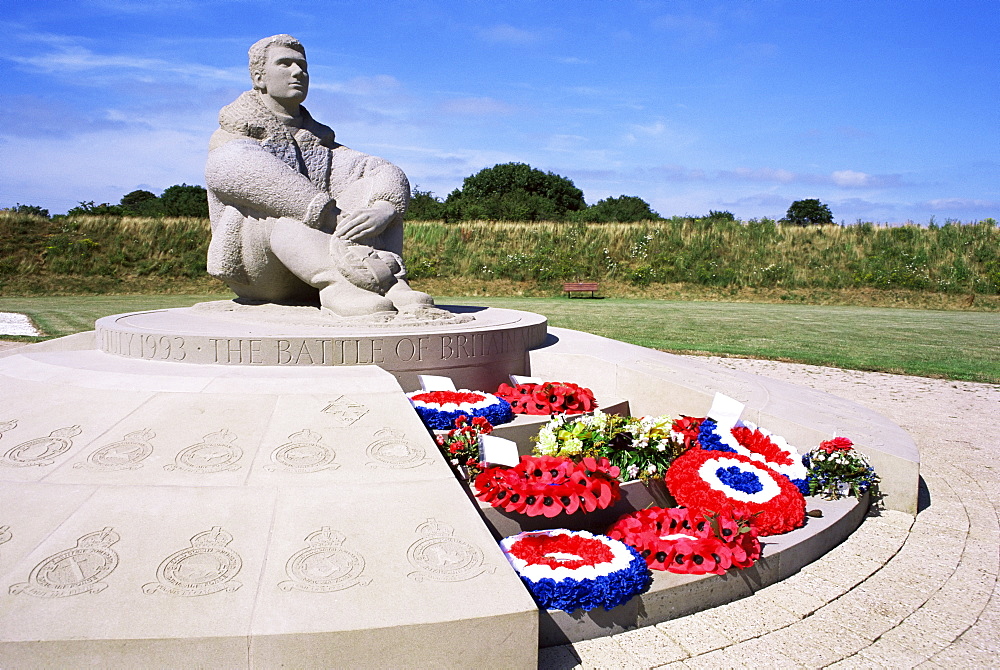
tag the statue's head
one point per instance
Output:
(278, 69)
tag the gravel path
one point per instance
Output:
(899, 592)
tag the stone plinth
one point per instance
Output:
(478, 348)
(250, 512)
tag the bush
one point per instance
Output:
(424, 206)
(185, 200)
(623, 209)
(30, 210)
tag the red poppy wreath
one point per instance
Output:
(550, 485)
(681, 540)
(548, 398)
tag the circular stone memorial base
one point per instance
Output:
(476, 347)
(181, 485)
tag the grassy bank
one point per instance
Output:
(727, 260)
(949, 344)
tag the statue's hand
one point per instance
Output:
(365, 222)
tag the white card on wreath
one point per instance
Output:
(725, 411)
(436, 383)
(520, 379)
(498, 451)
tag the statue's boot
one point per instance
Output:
(344, 299)
(405, 298)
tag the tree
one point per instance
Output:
(141, 203)
(185, 200)
(424, 206)
(809, 212)
(514, 192)
(624, 209)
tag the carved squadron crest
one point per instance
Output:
(74, 571)
(324, 565)
(41, 450)
(126, 454)
(393, 451)
(207, 566)
(215, 454)
(441, 557)
(303, 453)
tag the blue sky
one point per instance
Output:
(887, 111)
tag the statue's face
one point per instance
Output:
(285, 77)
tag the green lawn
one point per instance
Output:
(956, 345)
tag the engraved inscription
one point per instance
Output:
(441, 557)
(126, 454)
(237, 351)
(207, 566)
(5, 534)
(324, 565)
(305, 453)
(7, 425)
(74, 571)
(393, 451)
(215, 454)
(154, 347)
(345, 412)
(41, 451)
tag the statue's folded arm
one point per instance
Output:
(243, 175)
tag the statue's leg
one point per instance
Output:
(306, 253)
(400, 293)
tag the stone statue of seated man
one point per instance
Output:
(295, 215)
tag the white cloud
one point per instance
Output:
(56, 173)
(73, 60)
(691, 29)
(566, 142)
(760, 174)
(851, 179)
(363, 86)
(508, 34)
(482, 106)
(946, 204)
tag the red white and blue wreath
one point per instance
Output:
(570, 570)
(708, 481)
(757, 444)
(439, 409)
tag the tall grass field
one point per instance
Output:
(81, 255)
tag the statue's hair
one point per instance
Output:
(258, 52)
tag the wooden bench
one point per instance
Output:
(580, 287)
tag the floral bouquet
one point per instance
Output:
(641, 447)
(836, 470)
(548, 398)
(460, 445)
